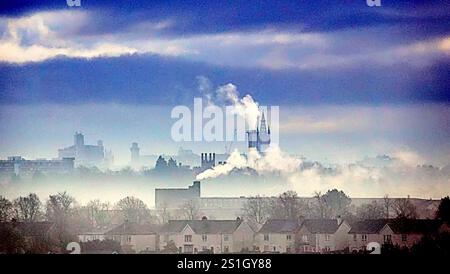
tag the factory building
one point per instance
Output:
(174, 198)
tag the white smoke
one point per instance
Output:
(245, 107)
(273, 161)
(399, 174)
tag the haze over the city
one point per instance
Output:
(352, 83)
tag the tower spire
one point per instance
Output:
(263, 127)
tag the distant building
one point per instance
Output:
(231, 207)
(174, 198)
(16, 165)
(187, 157)
(170, 168)
(210, 160)
(184, 156)
(259, 139)
(138, 160)
(85, 155)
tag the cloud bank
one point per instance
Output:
(42, 35)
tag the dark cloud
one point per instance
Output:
(150, 79)
(195, 17)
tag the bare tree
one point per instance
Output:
(286, 206)
(370, 211)
(337, 203)
(27, 209)
(387, 204)
(256, 209)
(321, 206)
(191, 210)
(403, 208)
(164, 215)
(6, 209)
(134, 209)
(98, 212)
(59, 210)
(59, 206)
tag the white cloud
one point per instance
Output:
(44, 35)
(305, 124)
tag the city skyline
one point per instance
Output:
(352, 82)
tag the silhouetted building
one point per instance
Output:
(174, 198)
(16, 165)
(138, 160)
(208, 162)
(85, 155)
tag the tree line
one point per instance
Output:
(332, 204)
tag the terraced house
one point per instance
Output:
(277, 236)
(398, 232)
(212, 236)
(135, 238)
(322, 235)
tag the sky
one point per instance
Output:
(351, 81)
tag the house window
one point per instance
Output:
(404, 237)
(226, 249)
(188, 238)
(204, 238)
(354, 237)
(266, 237)
(225, 238)
(129, 239)
(327, 237)
(288, 237)
(305, 238)
(274, 249)
(387, 239)
(364, 237)
(288, 250)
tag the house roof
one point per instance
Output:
(326, 226)
(279, 226)
(419, 226)
(367, 226)
(98, 230)
(203, 226)
(130, 228)
(398, 226)
(29, 228)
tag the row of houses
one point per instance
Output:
(232, 236)
(274, 236)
